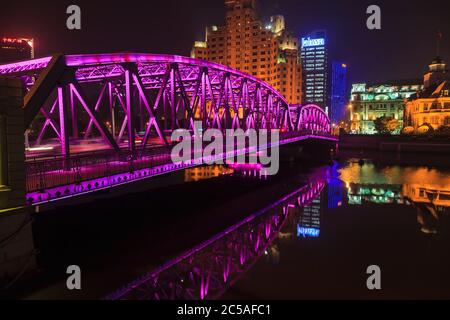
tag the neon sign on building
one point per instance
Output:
(18, 42)
(308, 42)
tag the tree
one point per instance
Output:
(443, 131)
(386, 125)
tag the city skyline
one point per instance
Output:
(142, 31)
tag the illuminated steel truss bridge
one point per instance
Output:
(207, 271)
(97, 121)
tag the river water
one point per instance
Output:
(231, 233)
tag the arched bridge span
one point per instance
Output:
(94, 121)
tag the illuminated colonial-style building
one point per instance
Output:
(268, 52)
(431, 106)
(371, 102)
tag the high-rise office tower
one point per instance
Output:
(314, 55)
(340, 92)
(16, 49)
(266, 51)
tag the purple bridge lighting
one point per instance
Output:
(98, 121)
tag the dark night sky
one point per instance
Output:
(400, 50)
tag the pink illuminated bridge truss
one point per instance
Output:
(98, 120)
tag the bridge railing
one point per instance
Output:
(48, 173)
(42, 174)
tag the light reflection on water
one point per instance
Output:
(211, 172)
(367, 213)
(425, 189)
(206, 271)
(422, 193)
(397, 217)
(216, 270)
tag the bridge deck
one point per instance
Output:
(53, 179)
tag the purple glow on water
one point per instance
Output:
(242, 257)
(258, 242)
(246, 167)
(268, 230)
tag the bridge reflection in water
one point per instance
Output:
(208, 270)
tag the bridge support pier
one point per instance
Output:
(311, 150)
(17, 254)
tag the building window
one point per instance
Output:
(3, 153)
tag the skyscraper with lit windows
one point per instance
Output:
(267, 51)
(16, 49)
(340, 92)
(314, 54)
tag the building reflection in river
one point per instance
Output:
(211, 172)
(394, 184)
(206, 172)
(427, 190)
(359, 194)
(309, 220)
(428, 193)
(336, 188)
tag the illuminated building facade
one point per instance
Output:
(339, 92)
(431, 106)
(16, 49)
(314, 54)
(268, 52)
(371, 102)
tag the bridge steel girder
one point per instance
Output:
(76, 89)
(312, 118)
(153, 94)
(43, 87)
